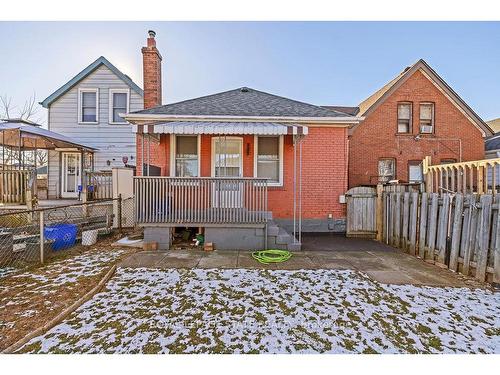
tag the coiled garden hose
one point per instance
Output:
(271, 256)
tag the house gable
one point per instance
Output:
(85, 73)
(369, 105)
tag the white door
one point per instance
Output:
(71, 174)
(227, 162)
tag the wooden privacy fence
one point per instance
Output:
(479, 176)
(13, 186)
(457, 231)
(98, 185)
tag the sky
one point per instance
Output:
(323, 63)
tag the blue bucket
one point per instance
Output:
(63, 235)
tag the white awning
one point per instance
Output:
(209, 127)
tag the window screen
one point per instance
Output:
(426, 118)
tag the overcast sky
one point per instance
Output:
(317, 62)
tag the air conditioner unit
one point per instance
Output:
(425, 129)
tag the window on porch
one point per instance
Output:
(269, 156)
(186, 156)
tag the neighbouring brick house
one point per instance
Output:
(242, 136)
(415, 115)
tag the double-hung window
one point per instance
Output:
(88, 106)
(404, 117)
(269, 159)
(427, 118)
(186, 157)
(118, 103)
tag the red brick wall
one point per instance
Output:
(158, 153)
(324, 171)
(376, 136)
(151, 69)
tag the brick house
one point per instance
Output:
(264, 166)
(416, 114)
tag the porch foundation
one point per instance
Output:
(315, 225)
(234, 238)
(162, 235)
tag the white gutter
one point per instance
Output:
(307, 120)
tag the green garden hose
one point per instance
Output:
(271, 256)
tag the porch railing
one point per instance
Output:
(200, 200)
(13, 185)
(478, 176)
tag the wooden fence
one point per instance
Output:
(460, 232)
(478, 176)
(97, 185)
(13, 186)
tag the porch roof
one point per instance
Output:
(228, 127)
(34, 137)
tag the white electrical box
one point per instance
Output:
(342, 198)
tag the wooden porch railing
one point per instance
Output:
(13, 185)
(199, 201)
(478, 176)
(97, 185)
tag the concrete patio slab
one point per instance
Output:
(389, 266)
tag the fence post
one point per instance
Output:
(42, 237)
(380, 211)
(119, 213)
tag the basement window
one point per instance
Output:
(404, 117)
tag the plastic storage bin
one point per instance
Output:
(63, 235)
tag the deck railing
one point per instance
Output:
(199, 201)
(478, 176)
(13, 185)
(98, 185)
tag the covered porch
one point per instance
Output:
(21, 143)
(217, 175)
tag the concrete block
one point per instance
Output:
(234, 238)
(161, 235)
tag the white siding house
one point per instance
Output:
(86, 108)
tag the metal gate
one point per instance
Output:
(361, 212)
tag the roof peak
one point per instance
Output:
(101, 60)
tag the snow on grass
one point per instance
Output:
(29, 295)
(257, 311)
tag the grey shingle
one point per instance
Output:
(243, 101)
(493, 142)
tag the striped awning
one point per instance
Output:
(209, 127)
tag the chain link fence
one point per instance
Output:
(32, 237)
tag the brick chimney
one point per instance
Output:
(151, 65)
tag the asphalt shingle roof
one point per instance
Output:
(351, 111)
(243, 101)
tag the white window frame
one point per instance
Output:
(111, 105)
(173, 144)
(80, 103)
(410, 120)
(212, 152)
(256, 149)
(432, 117)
